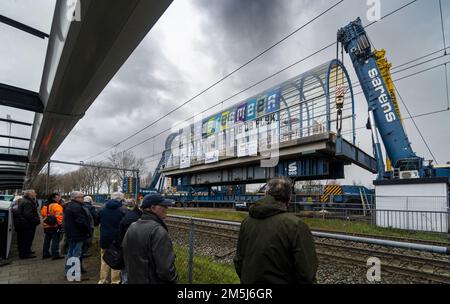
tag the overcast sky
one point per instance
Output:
(197, 42)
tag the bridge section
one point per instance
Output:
(293, 129)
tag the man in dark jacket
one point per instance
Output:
(147, 248)
(109, 217)
(76, 226)
(133, 214)
(27, 220)
(274, 246)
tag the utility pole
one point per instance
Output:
(47, 180)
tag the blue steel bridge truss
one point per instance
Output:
(299, 124)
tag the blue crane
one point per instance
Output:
(384, 114)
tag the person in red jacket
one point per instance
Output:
(52, 208)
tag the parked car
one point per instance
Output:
(6, 197)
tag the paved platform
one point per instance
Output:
(39, 271)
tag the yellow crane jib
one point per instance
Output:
(385, 68)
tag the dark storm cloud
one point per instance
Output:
(137, 87)
(230, 32)
(241, 27)
(141, 92)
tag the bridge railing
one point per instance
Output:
(305, 107)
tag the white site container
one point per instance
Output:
(413, 204)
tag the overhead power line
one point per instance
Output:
(357, 93)
(409, 113)
(271, 76)
(415, 124)
(403, 119)
(240, 92)
(404, 77)
(223, 78)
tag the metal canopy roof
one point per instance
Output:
(19, 98)
(83, 53)
(14, 145)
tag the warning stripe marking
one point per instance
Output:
(330, 190)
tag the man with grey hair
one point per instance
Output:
(77, 227)
(27, 218)
(274, 246)
(110, 217)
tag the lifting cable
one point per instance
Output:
(414, 122)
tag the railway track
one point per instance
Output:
(408, 263)
(225, 229)
(422, 269)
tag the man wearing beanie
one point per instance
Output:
(147, 247)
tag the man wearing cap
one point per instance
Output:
(147, 247)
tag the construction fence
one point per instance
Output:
(205, 248)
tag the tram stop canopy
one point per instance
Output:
(76, 54)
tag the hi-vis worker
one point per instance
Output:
(52, 214)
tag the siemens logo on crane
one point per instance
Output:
(383, 98)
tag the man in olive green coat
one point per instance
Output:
(274, 246)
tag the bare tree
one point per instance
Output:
(91, 179)
(147, 180)
(125, 160)
(108, 177)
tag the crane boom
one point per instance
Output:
(381, 103)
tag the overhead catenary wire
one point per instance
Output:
(271, 76)
(405, 77)
(399, 79)
(395, 71)
(360, 92)
(415, 124)
(412, 118)
(404, 118)
(391, 13)
(420, 58)
(442, 26)
(225, 77)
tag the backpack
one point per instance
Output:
(50, 219)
